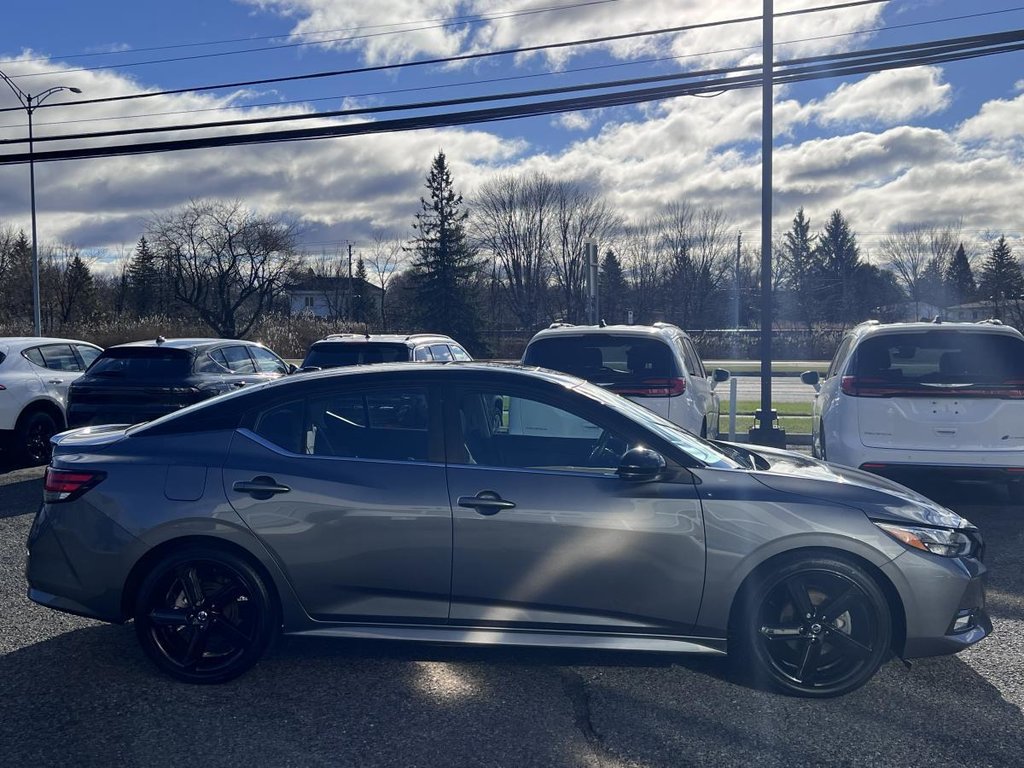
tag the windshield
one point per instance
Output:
(141, 363)
(703, 451)
(336, 355)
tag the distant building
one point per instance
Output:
(971, 311)
(332, 298)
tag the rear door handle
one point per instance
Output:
(261, 487)
(55, 381)
(485, 503)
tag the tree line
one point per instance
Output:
(510, 257)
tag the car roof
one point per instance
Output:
(387, 338)
(874, 328)
(197, 343)
(658, 330)
(16, 343)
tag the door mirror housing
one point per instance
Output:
(292, 368)
(812, 379)
(719, 375)
(641, 465)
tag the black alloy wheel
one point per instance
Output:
(816, 627)
(204, 615)
(34, 433)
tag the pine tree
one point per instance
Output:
(960, 286)
(931, 285)
(445, 266)
(362, 300)
(145, 280)
(80, 292)
(799, 270)
(1002, 280)
(612, 289)
(839, 256)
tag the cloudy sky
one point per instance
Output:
(927, 145)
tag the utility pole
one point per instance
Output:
(593, 306)
(736, 277)
(351, 288)
(765, 430)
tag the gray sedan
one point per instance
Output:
(393, 502)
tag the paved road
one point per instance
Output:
(76, 692)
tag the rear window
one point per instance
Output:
(604, 358)
(935, 360)
(142, 363)
(328, 355)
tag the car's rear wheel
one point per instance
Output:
(815, 627)
(34, 431)
(204, 615)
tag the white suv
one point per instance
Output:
(910, 396)
(35, 374)
(653, 365)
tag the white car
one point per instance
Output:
(906, 397)
(653, 365)
(35, 374)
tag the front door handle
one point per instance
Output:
(261, 487)
(486, 503)
(55, 381)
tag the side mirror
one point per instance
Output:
(310, 368)
(811, 379)
(292, 368)
(640, 465)
(719, 375)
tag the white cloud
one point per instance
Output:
(576, 121)
(882, 98)
(1000, 120)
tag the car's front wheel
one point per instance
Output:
(817, 626)
(204, 615)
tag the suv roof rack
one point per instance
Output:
(412, 336)
(560, 324)
(347, 336)
(990, 321)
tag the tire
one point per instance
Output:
(704, 429)
(34, 431)
(789, 637)
(821, 442)
(204, 615)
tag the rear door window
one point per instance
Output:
(60, 357)
(441, 353)
(267, 361)
(238, 359)
(937, 362)
(459, 353)
(840, 355)
(605, 359)
(87, 354)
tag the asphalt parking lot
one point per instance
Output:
(77, 692)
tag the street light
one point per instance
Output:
(30, 103)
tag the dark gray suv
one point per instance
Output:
(387, 502)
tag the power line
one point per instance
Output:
(285, 46)
(822, 69)
(457, 58)
(486, 81)
(866, 57)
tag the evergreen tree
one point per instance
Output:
(1002, 280)
(145, 281)
(612, 289)
(799, 270)
(931, 285)
(79, 294)
(839, 256)
(362, 299)
(960, 287)
(445, 266)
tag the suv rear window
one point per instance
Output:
(940, 362)
(142, 363)
(337, 354)
(605, 358)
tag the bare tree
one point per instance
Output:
(512, 219)
(70, 294)
(327, 274)
(698, 251)
(644, 267)
(384, 257)
(226, 262)
(917, 255)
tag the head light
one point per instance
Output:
(939, 541)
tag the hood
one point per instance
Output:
(878, 497)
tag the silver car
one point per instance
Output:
(389, 502)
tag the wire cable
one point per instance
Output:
(452, 59)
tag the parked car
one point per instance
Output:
(35, 374)
(342, 349)
(656, 366)
(382, 502)
(905, 397)
(143, 380)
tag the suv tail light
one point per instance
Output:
(68, 484)
(651, 388)
(862, 386)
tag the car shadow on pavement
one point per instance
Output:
(89, 697)
(21, 492)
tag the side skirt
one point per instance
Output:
(521, 637)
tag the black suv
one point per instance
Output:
(343, 349)
(143, 380)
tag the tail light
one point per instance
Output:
(863, 386)
(68, 484)
(651, 388)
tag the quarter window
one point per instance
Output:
(441, 353)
